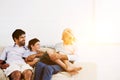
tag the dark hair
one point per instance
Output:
(17, 33)
(32, 42)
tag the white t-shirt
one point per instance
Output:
(70, 50)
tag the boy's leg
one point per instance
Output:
(71, 67)
(66, 65)
(39, 68)
(61, 63)
(50, 70)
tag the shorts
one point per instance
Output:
(18, 67)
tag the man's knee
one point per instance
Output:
(27, 72)
(16, 75)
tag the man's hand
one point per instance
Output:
(31, 57)
(4, 66)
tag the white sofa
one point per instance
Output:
(88, 72)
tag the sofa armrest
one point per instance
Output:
(2, 75)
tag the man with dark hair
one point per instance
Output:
(11, 59)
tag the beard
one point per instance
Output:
(22, 43)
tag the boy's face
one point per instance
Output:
(36, 46)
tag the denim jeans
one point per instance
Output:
(45, 72)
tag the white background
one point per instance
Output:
(95, 23)
(45, 19)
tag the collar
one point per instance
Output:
(15, 45)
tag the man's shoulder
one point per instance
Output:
(8, 47)
(26, 48)
(14, 47)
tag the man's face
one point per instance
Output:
(21, 40)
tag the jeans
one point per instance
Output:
(45, 72)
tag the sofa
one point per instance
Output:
(88, 72)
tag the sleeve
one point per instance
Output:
(26, 54)
(3, 55)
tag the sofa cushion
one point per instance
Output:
(88, 71)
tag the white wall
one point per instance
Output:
(95, 22)
(44, 19)
(107, 14)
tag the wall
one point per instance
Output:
(107, 21)
(44, 19)
(108, 39)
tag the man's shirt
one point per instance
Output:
(13, 54)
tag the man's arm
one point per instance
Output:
(33, 56)
(3, 56)
(32, 63)
(31, 60)
(3, 65)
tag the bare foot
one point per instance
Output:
(77, 68)
(73, 72)
(73, 69)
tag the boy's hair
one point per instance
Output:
(17, 33)
(32, 42)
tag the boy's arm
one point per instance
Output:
(39, 54)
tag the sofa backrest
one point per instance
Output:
(1, 49)
(42, 49)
